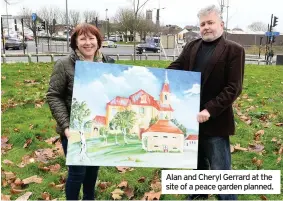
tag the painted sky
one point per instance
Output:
(98, 83)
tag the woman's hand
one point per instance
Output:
(67, 133)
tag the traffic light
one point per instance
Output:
(275, 21)
(43, 25)
(16, 28)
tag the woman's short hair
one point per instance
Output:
(85, 28)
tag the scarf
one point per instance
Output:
(97, 57)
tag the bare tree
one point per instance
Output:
(138, 5)
(89, 16)
(145, 27)
(124, 18)
(50, 15)
(74, 17)
(257, 26)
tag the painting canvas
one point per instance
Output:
(133, 116)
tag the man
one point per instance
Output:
(221, 63)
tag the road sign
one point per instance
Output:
(272, 33)
(33, 16)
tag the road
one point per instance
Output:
(61, 47)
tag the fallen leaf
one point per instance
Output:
(46, 196)
(245, 96)
(8, 162)
(263, 197)
(255, 147)
(122, 169)
(118, 191)
(3, 77)
(54, 168)
(249, 122)
(16, 129)
(9, 175)
(104, 185)
(141, 179)
(274, 139)
(239, 148)
(260, 132)
(232, 148)
(123, 184)
(28, 142)
(116, 197)
(259, 163)
(280, 150)
(152, 195)
(51, 140)
(44, 168)
(18, 182)
(30, 126)
(4, 183)
(279, 124)
(32, 179)
(44, 155)
(27, 159)
(24, 196)
(278, 160)
(5, 197)
(59, 186)
(129, 192)
(16, 191)
(156, 187)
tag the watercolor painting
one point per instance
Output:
(133, 116)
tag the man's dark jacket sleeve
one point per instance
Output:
(233, 88)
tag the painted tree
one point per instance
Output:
(153, 120)
(125, 121)
(180, 126)
(80, 112)
(103, 131)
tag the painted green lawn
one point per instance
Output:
(25, 115)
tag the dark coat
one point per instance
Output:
(221, 85)
(60, 91)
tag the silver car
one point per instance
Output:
(15, 44)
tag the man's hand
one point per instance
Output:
(203, 116)
(67, 133)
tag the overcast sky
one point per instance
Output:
(178, 12)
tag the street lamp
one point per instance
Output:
(67, 24)
(107, 23)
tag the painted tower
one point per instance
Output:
(165, 92)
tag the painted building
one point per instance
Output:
(163, 136)
(98, 122)
(144, 105)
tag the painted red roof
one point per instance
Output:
(100, 119)
(165, 88)
(192, 137)
(119, 101)
(163, 107)
(165, 126)
(136, 98)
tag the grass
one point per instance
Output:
(25, 115)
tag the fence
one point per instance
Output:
(115, 56)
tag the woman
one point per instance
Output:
(85, 43)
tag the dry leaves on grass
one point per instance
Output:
(257, 162)
(25, 196)
(238, 147)
(117, 194)
(263, 197)
(5, 197)
(44, 155)
(4, 145)
(123, 184)
(279, 124)
(32, 179)
(104, 185)
(129, 192)
(45, 196)
(141, 179)
(258, 135)
(151, 195)
(58, 186)
(16, 191)
(28, 142)
(255, 147)
(27, 159)
(123, 169)
(8, 162)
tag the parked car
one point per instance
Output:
(109, 44)
(147, 47)
(15, 44)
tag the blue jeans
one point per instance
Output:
(214, 154)
(78, 175)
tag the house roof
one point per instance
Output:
(165, 88)
(137, 99)
(119, 101)
(100, 119)
(192, 137)
(165, 126)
